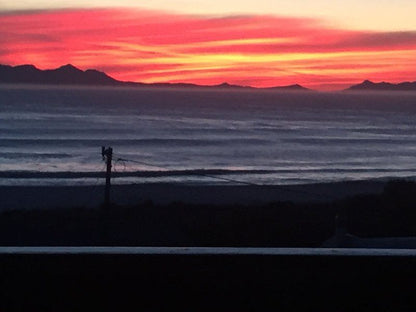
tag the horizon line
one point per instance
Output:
(196, 85)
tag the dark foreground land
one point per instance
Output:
(210, 282)
(119, 282)
(278, 224)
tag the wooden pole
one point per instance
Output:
(108, 154)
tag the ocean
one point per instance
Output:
(53, 136)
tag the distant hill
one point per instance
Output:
(294, 87)
(70, 75)
(384, 86)
(223, 85)
(64, 75)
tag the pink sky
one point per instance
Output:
(159, 46)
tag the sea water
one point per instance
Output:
(53, 136)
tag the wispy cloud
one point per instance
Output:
(151, 46)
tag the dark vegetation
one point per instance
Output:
(281, 224)
(393, 213)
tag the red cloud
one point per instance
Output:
(153, 46)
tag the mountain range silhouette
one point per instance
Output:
(64, 75)
(384, 86)
(71, 75)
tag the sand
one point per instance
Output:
(41, 197)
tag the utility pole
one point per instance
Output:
(107, 156)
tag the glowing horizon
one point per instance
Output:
(159, 46)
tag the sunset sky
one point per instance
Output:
(321, 44)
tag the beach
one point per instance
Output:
(49, 197)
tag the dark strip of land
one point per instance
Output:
(250, 219)
(47, 197)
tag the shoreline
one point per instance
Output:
(49, 197)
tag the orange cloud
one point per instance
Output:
(149, 46)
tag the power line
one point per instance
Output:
(285, 188)
(195, 173)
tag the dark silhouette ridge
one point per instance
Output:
(71, 75)
(226, 85)
(383, 86)
(64, 75)
(294, 87)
